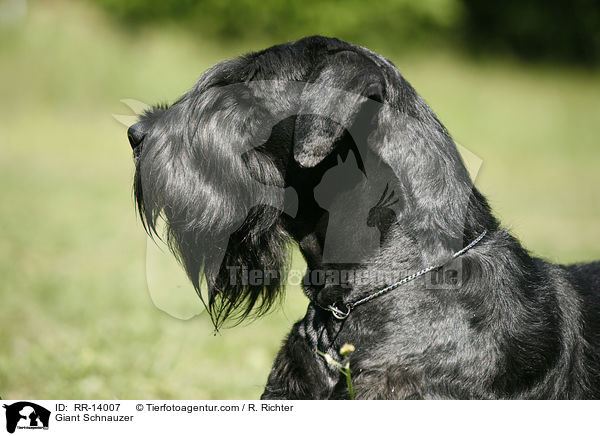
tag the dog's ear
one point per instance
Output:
(344, 94)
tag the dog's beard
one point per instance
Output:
(226, 230)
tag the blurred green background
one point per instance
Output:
(516, 83)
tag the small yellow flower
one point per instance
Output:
(347, 349)
(330, 360)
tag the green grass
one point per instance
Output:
(76, 316)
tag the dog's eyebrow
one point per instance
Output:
(340, 50)
(361, 54)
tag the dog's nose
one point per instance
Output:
(135, 134)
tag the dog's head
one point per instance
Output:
(232, 165)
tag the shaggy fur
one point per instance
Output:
(324, 144)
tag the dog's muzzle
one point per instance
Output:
(135, 134)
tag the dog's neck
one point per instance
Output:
(407, 250)
(431, 219)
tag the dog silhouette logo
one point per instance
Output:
(26, 415)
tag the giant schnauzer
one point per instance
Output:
(324, 144)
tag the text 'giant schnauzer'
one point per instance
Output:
(325, 144)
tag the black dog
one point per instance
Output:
(323, 143)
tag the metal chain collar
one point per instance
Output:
(340, 314)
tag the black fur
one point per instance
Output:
(324, 144)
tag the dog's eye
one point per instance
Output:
(375, 92)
